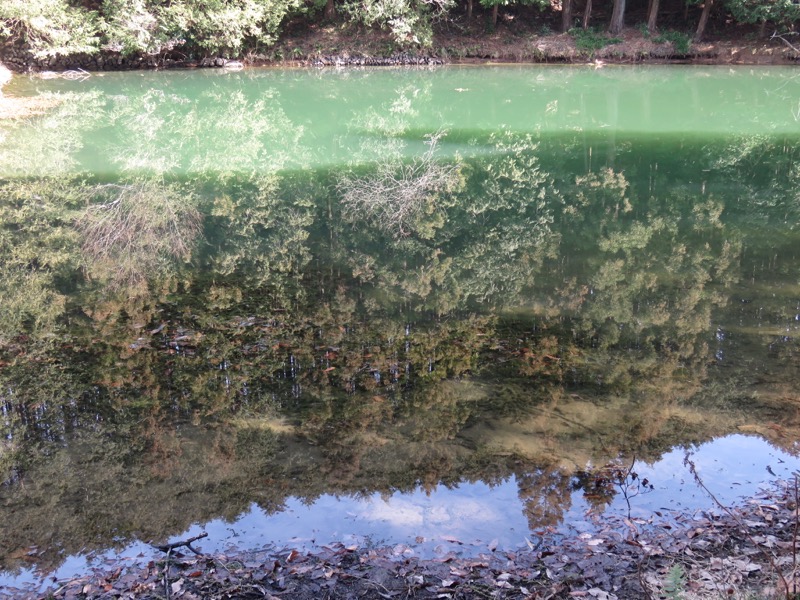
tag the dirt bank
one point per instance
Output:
(521, 43)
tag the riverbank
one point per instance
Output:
(348, 44)
(743, 552)
(520, 43)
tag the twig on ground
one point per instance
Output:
(622, 483)
(188, 543)
(794, 535)
(166, 575)
(768, 555)
(640, 575)
(168, 548)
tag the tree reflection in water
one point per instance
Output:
(268, 341)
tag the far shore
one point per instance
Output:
(336, 47)
(339, 45)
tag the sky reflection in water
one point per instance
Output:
(467, 518)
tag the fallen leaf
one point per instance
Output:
(177, 586)
(601, 594)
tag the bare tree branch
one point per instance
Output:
(397, 193)
(782, 37)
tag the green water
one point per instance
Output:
(226, 290)
(294, 119)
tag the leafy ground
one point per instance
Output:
(747, 552)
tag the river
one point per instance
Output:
(439, 308)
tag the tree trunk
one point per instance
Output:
(495, 8)
(652, 16)
(587, 14)
(701, 25)
(617, 17)
(762, 30)
(469, 10)
(330, 10)
(566, 15)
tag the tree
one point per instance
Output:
(49, 27)
(652, 15)
(410, 21)
(782, 13)
(617, 17)
(134, 27)
(223, 26)
(566, 15)
(496, 4)
(701, 24)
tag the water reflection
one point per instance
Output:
(189, 337)
(467, 517)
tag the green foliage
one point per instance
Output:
(28, 302)
(260, 237)
(676, 582)
(410, 21)
(134, 27)
(166, 131)
(49, 27)
(679, 40)
(591, 39)
(33, 150)
(226, 27)
(782, 13)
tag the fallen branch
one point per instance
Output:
(188, 543)
(768, 555)
(781, 37)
